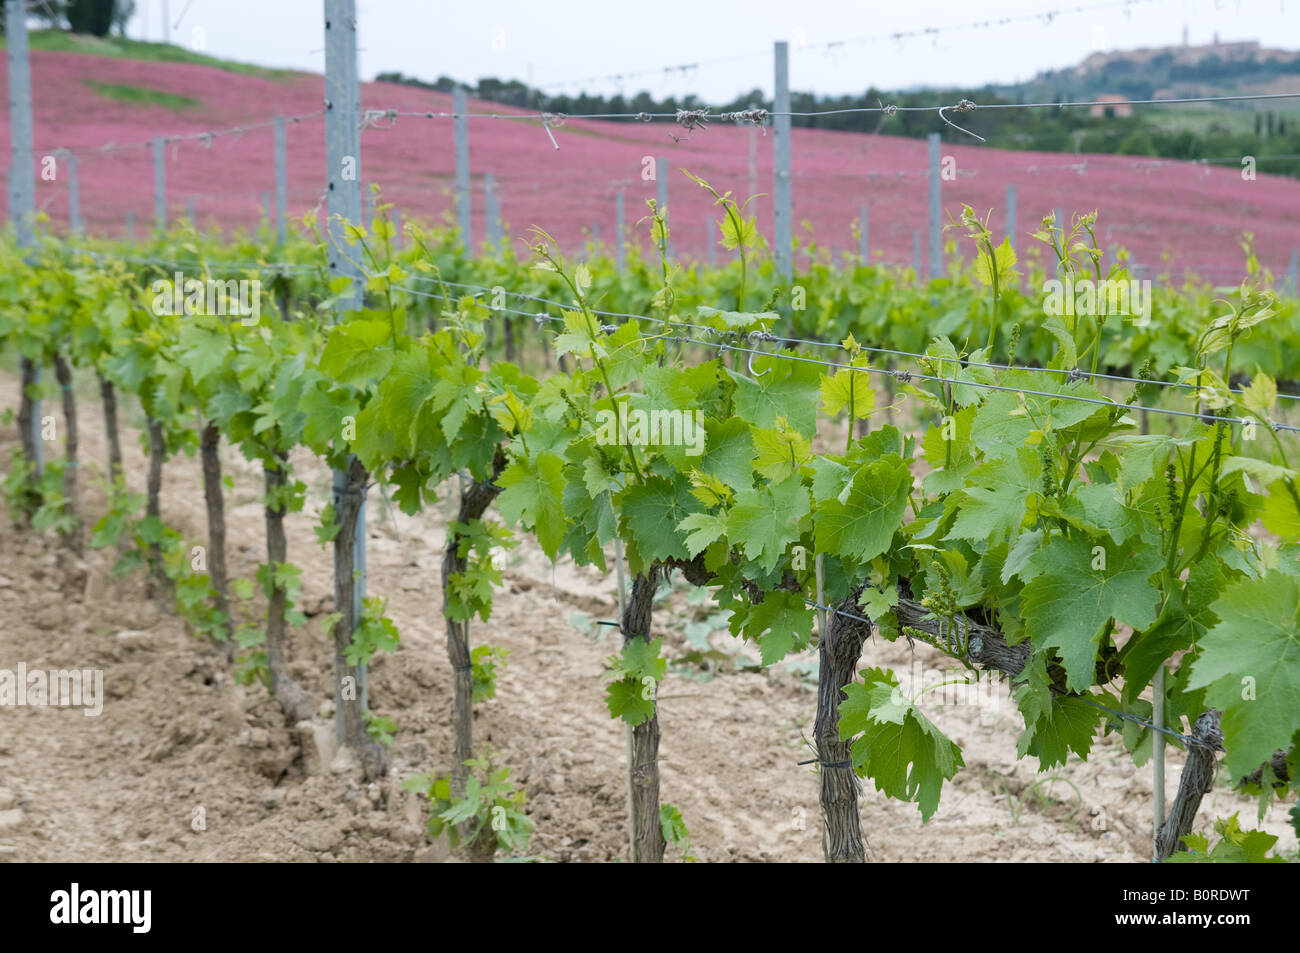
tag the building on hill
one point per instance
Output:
(1243, 51)
(1110, 112)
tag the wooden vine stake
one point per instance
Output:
(22, 213)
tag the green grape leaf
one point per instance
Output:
(788, 389)
(652, 511)
(782, 623)
(1105, 509)
(767, 520)
(1006, 421)
(1174, 631)
(876, 604)
(1261, 470)
(642, 659)
(830, 478)
(1282, 513)
(202, 350)
(779, 452)
(1250, 665)
(578, 336)
(1005, 259)
(635, 674)
(1019, 561)
(625, 700)
(896, 745)
(994, 503)
(1139, 455)
(738, 231)
(1068, 602)
(410, 483)
(1067, 724)
(946, 447)
(701, 529)
(358, 352)
(730, 448)
(533, 492)
(848, 389)
(862, 526)
(1261, 396)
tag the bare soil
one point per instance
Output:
(179, 739)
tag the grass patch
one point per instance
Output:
(57, 41)
(140, 95)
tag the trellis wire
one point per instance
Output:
(912, 355)
(682, 117)
(904, 376)
(1046, 16)
(206, 137)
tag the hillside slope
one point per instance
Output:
(1189, 214)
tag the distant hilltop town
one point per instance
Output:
(1210, 69)
(1239, 52)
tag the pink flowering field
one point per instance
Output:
(1169, 214)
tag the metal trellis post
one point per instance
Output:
(618, 231)
(1011, 215)
(460, 106)
(343, 171)
(492, 212)
(781, 201)
(75, 222)
(936, 228)
(753, 160)
(22, 174)
(281, 182)
(864, 244)
(661, 181)
(160, 184)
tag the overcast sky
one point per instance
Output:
(551, 43)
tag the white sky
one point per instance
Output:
(545, 42)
